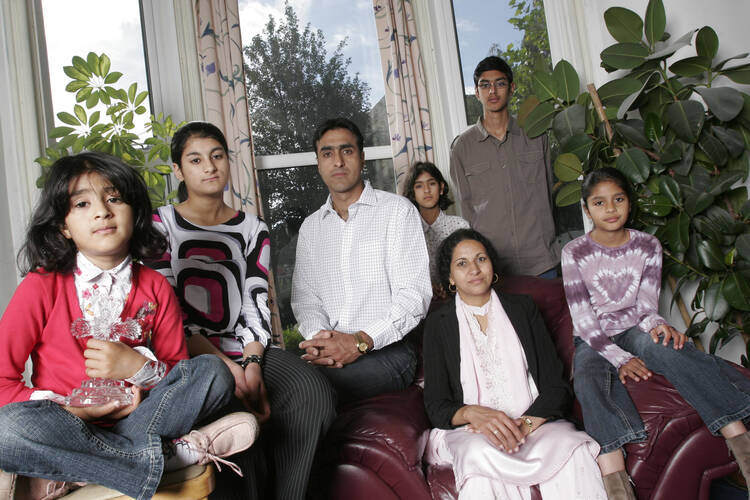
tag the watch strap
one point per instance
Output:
(253, 358)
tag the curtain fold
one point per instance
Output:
(225, 105)
(224, 96)
(405, 90)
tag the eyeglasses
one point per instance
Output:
(497, 85)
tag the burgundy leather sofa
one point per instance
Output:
(374, 450)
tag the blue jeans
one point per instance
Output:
(385, 370)
(41, 439)
(718, 392)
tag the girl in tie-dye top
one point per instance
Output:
(612, 279)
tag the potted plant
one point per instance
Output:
(102, 120)
(683, 143)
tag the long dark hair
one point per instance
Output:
(445, 252)
(424, 166)
(180, 139)
(46, 247)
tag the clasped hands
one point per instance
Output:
(636, 369)
(332, 348)
(506, 433)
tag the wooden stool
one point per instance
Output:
(195, 482)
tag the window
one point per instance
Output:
(77, 27)
(302, 66)
(514, 30)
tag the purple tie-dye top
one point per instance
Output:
(610, 290)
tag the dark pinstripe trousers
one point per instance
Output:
(303, 407)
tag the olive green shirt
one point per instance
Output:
(506, 194)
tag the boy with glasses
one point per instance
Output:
(504, 179)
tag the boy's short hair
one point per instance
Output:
(493, 63)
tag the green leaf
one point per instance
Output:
(669, 188)
(653, 130)
(614, 92)
(82, 66)
(738, 74)
(665, 50)
(623, 24)
(724, 181)
(714, 304)
(58, 132)
(542, 85)
(691, 66)
(568, 122)
(579, 145)
(710, 255)
(75, 73)
(93, 118)
(731, 139)
(724, 102)
(736, 291)
(722, 221)
(112, 77)
(624, 55)
(685, 164)
(706, 43)
(634, 164)
(539, 120)
(719, 66)
(568, 167)
(713, 148)
(104, 64)
(686, 119)
(76, 85)
(704, 227)
(627, 103)
(698, 202)
(526, 107)
(565, 80)
(655, 205)
(80, 113)
(68, 118)
(569, 194)
(632, 131)
(140, 98)
(93, 99)
(131, 91)
(677, 232)
(92, 61)
(83, 94)
(742, 244)
(741, 164)
(656, 21)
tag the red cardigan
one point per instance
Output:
(37, 323)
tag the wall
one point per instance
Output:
(578, 34)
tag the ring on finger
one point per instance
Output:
(496, 432)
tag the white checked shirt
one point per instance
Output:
(369, 272)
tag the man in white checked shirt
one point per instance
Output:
(361, 279)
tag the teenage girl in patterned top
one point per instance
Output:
(218, 260)
(612, 280)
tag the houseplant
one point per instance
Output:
(102, 120)
(683, 143)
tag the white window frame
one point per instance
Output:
(307, 159)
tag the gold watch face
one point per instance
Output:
(362, 346)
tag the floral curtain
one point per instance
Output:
(224, 97)
(405, 90)
(225, 105)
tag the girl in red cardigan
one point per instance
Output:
(92, 225)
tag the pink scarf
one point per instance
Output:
(494, 372)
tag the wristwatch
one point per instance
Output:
(362, 346)
(529, 422)
(253, 358)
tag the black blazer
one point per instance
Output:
(443, 394)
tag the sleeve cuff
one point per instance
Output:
(381, 333)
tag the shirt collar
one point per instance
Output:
(482, 134)
(88, 271)
(368, 197)
(426, 226)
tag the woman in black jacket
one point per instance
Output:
(495, 391)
